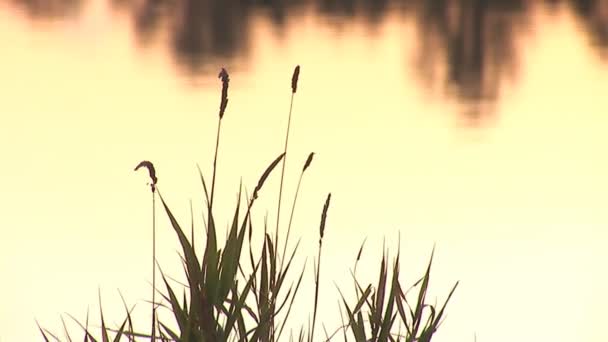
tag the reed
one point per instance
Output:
(318, 266)
(225, 78)
(294, 87)
(295, 199)
(224, 299)
(153, 180)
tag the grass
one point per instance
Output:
(238, 290)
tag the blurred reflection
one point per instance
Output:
(472, 41)
(209, 29)
(594, 16)
(49, 9)
(476, 41)
(147, 18)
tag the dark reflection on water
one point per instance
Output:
(595, 18)
(475, 38)
(49, 9)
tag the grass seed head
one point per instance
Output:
(151, 171)
(324, 217)
(266, 174)
(223, 75)
(308, 161)
(294, 79)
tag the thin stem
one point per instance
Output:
(283, 174)
(314, 314)
(293, 207)
(153, 265)
(217, 144)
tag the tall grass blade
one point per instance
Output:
(129, 320)
(181, 316)
(399, 301)
(379, 300)
(388, 319)
(86, 329)
(318, 268)
(294, 85)
(104, 331)
(422, 296)
(264, 297)
(201, 303)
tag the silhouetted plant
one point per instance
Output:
(226, 302)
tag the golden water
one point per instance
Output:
(511, 186)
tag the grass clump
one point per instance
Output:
(228, 299)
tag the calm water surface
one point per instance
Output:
(476, 125)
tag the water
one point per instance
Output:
(476, 125)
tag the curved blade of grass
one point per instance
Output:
(440, 314)
(400, 298)
(265, 175)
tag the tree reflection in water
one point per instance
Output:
(474, 39)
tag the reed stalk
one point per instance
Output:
(293, 206)
(223, 75)
(154, 180)
(318, 266)
(294, 88)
